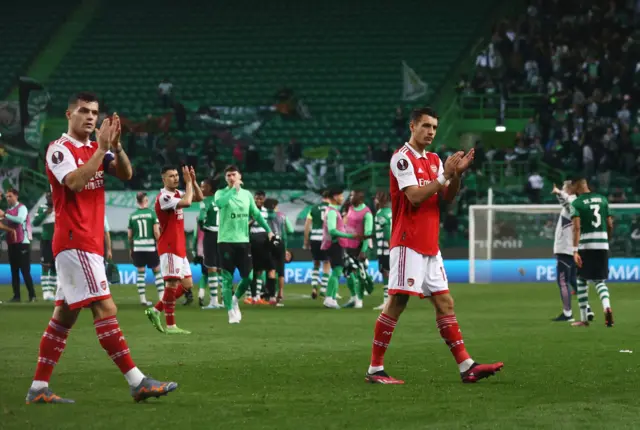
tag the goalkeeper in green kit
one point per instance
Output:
(235, 206)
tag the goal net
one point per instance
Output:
(500, 234)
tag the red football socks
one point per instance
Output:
(381, 338)
(52, 345)
(112, 341)
(178, 293)
(450, 332)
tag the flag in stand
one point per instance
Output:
(413, 87)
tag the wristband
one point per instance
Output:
(441, 179)
(575, 249)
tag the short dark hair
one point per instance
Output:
(383, 197)
(165, 169)
(417, 113)
(210, 182)
(270, 204)
(357, 191)
(13, 191)
(325, 194)
(577, 178)
(335, 191)
(140, 196)
(260, 193)
(231, 168)
(84, 96)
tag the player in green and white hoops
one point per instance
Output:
(46, 217)
(313, 242)
(235, 206)
(592, 227)
(208, 221)
(143, 233)
(383, 236)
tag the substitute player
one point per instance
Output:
(592, 227)
(313, 241)
(75, 166)
(334, 239)
(259, 251)
(359, 220)
(142, 234)
(417, 269)
(210, 223)
(383, 236)
(236, 205)
(563, 250)
(46, 218)
(172, 244)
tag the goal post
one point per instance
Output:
(499, 233)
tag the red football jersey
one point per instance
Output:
(171, 218)
(79, 216)
(417, 228)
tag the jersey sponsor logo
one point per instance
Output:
(423, 182)
(434, 168)
(57, 157)
(403, 164)
(96, 182)
(234, 216)
(180, 214)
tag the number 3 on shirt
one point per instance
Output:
(596, 214)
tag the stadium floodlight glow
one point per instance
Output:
(501, 128)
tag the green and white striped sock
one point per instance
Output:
(603, 292)
(141, 287)
(159, 284)
(53, 281)
(583, 298)
(212, 281)
(44, 281)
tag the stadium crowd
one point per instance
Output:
(583, 58)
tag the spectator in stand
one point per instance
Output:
(294, 154)
(253, 159)
(588, 162)
(535, 183)
(382, 154)
(279, 159)
(238, 154)
(165, 91)
(618, 196)
(400, 123)
(604, 171)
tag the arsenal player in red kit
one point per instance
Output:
(75, 166)
(417, 180)
(172, 245)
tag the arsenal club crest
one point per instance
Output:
(410, 282)
(434, 168)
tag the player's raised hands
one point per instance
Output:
(103, 134)
(465, 162)
(451, 164)
(114, 139)
(555, 190)
(192, 173)
(186, 175)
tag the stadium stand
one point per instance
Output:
(344, 63)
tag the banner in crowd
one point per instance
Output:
(413, 87)
(22, 122)
(499, 271)
(10, 178)
(295, 204)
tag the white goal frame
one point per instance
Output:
(490, 208)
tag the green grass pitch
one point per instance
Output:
(302, 367)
